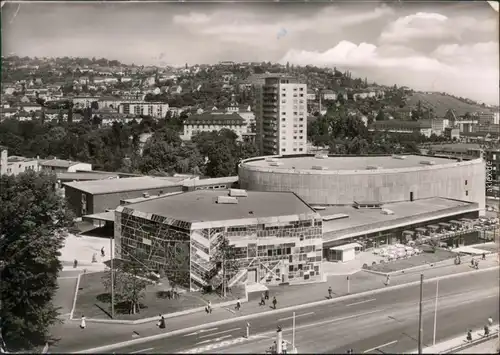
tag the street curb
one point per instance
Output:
(278, 311)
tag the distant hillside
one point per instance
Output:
(442, 103)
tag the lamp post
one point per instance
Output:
(420, 319)
(293, 332)
(111, 264)
(435, 312)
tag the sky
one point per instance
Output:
(451, 47)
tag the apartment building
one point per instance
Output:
(15, 165)
(284, 116)
(153, 109)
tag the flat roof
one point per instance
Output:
(366, 217)
(201, 206)
(348, 163)
(103, 216)
(59, 163)
(85, 176)
(210, 181)
(123, 185)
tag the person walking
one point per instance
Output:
(266, 294)
(102, 252)
(476, 264)
(238, 304)
(283, 347)
(275, 301)
(262, 300)
(472, 262)
(388, 280)
(82, 322)
(209, 307)
(330, 292)
(469, 335)
(75, 263)
(162, 323)
(483, 256)
(490, 321)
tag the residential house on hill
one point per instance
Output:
(208, 122)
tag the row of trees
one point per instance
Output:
(347, 134)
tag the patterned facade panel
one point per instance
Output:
(285, 252)
(157, 246)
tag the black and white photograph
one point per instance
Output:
(262, 177)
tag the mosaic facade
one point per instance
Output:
(269, 253)
(157, 242)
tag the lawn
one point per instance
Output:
(417, 260)
(94, 302)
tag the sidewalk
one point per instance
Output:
(97, 334)
(448, 346)
(488, 347)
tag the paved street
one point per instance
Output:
(381, 318)
(99, 334)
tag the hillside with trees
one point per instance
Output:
(441, 103)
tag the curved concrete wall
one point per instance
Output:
(456, 180)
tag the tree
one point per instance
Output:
(129, 285)
(380, 116)
(224, 264)
(33, 223)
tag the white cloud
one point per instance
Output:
(468, 70)
(193, 18)
(363, 55)
(424, 25)
(227, 23)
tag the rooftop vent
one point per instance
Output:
(427, 162)
(400, 157)
(321, 156)
(145, 195)
(238, 193)
(319, 167)
(227, 200)
(373, 167)
(387, 211)
(275, 163)
(271, 159)
(334, 216)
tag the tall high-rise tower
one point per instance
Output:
(283, 126)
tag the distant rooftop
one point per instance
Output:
(85, 176)
(58, 163)
(212, 117)
(348, 163)
(201, 206)
(123, 185)
(212, 181)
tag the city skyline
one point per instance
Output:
(432, 47)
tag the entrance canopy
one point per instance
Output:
(347, 246)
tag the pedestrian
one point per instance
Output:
(476, 264)
(484, 256)
(94, 257)
(209, 307)
(486, 330)
(262, 300)
(275, 301)
(102, 252)
(274, 347)
(283, 347)
(266, 294)
(388, 280)
(161, 323)
(238, 304)
(472, 262)
(469, 335)
(82, 322)
(330, 292)
(75, 263)
(490, 321)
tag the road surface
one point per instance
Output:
(389, 318)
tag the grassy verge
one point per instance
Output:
(94, 302)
